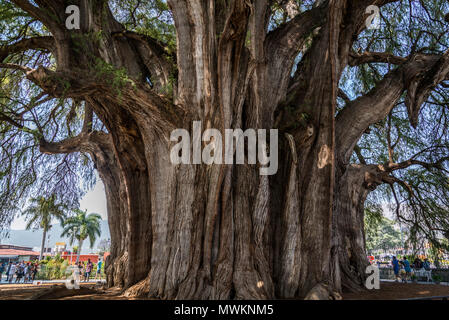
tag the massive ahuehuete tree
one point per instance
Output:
(115, 88)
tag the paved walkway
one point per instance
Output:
(91, 281)
(419, 282)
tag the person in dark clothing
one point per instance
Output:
(34, 271)
(426, 264)
(19, 272)
(417, 264)
(7, 271)
(2, 269)
(408, 270)
(395, 264)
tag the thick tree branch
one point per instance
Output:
(77, 84)
(35, 43)
(366, 110)
(14, 66)
(38, 13)
(159, 62)
(356, 59)
(428, 165)
(88, 118)
(289, 38)
(358, 152)
(84, 142)
(421, 86)
(11, 121)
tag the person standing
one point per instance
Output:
(395, 264)
(417, 264)
(2, 269)
(7, 271)
(426, 264)
(89, 267)
(80, 269)
(25, 272)
(12, 272)
(98, 273)
(34, 271)
(19, 272)
(408, 270)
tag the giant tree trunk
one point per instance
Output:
(348, 252)
(218, 231)
(225, 231)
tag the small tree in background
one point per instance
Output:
(81, 227)
(381, 234)
(41, 212)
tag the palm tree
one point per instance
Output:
(72, 236)
(80, 227)
(41, 212)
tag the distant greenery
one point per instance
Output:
(380, 233)
(81, 227)
(40, 214)
(54, 268)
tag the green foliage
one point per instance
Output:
(420, 198)
(82, 226)
(116, 78)
(436, 278)
(380, 232)
(151, 18)
(42, 211)
(53, 269)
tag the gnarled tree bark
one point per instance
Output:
(224, 231)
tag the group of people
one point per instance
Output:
(405, 264)
(25, 272)
(419, 264)
(20, 271)
(85, 270)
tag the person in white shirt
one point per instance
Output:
(12, 271)
(25, 273)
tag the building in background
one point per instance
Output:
(71, 258)
(14, 253)
(60, 248)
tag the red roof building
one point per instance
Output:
(10, 252)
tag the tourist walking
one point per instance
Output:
(25, 273)
(2, 269)
(34, 271)
(12, 272)
(417, 264)
(28, 272)
(89, 268)
(426, 264)
(98, 273)
(19, 272)
(395, 264)
(7, 271)
(407, 269)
